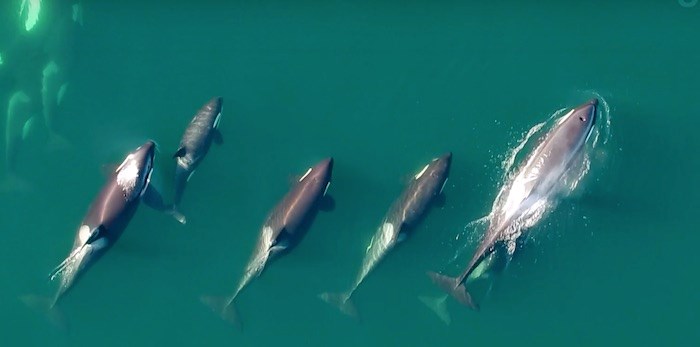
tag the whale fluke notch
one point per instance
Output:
(223, 306)
(453, 287)
(342, 302)
(47, 307)
(439, 306)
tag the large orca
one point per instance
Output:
(106, 219)
(533, 183)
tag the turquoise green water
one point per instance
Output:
(382, 88)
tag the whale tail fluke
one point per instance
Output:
(342, 302)
(15, 184)
(439, 306)
(223, 306)
(455, 288)
(48, 308)
(57, 143)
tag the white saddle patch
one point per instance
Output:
(306, 174)
(422, 172)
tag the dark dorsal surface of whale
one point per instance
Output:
(106, 219)
(194, 146)
(424, 189)
(282, 230)
(415, 201)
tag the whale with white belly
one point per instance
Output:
(534, 183)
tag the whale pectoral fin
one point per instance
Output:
(401, 237)
(180, 152)
(327, 203)
(218, 138)
(440, 200)
(152, 198)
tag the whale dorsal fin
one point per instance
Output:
(180, 152)
(281, 242)
(95, 234)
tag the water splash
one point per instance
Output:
(471, 233)
(507, 164)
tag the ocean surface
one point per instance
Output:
(382, 87)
